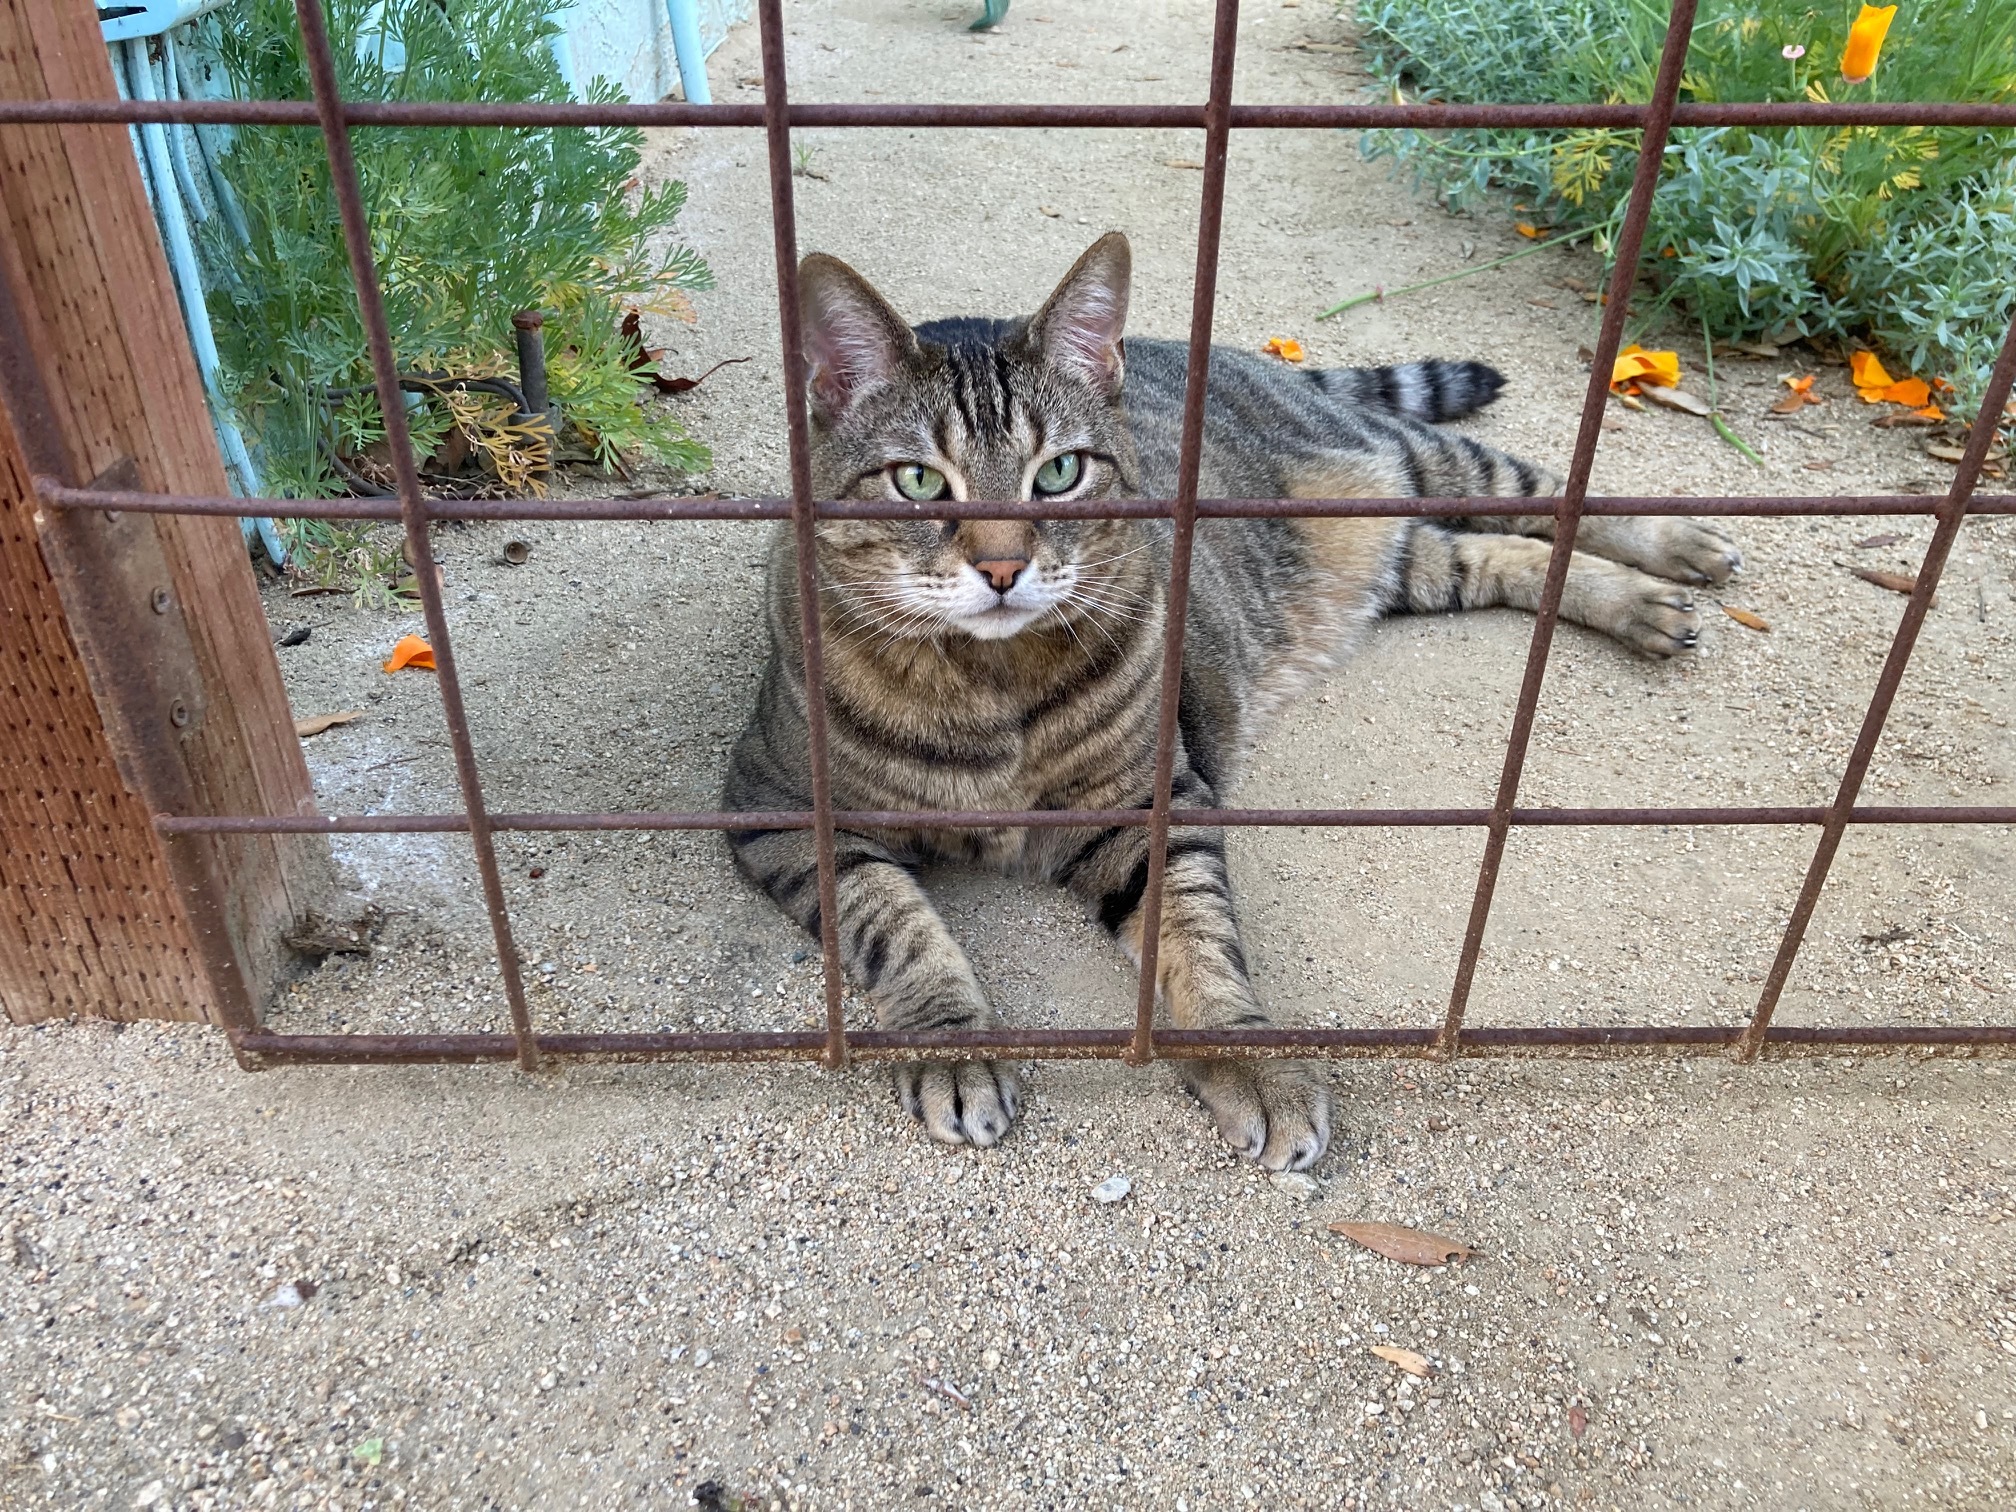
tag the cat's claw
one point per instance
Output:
(1275, 1112)
(960, 1102)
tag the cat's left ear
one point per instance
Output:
(1080, 325)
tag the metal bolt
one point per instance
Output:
(160, 600)
(178, 714)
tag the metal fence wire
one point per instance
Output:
(1218, 117)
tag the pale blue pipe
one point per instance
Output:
(686, 47)
(189, 289)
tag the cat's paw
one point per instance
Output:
(1275, 1112)
(960, 1102)
(1690, 551)
(1654, 617)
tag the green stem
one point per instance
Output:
(1722, 429)
(1715, 419)
(1382, 294)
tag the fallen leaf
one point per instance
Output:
(1046, 210)
(1410, 1245)
(1578, 1422)
(1191, 163)
(1896, 582)
(1762, 349)
(1406, 1359)
(1952, 451)
(315, 592)
(1745, 617)
(298, 636)
(1886, 539)
(1307, 46)
(1800, 394)
(320, 722)
(1677, 399)
(1930, 415)
(683, 385)
(1543, 304)
(1285, 347)
(1634, 362)
(411, 652)
(1629, 402)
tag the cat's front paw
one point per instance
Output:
(960, 1102)
(1275, 1112)
(1691, 551)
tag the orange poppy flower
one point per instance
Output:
(1285, 347)
(1865, 42)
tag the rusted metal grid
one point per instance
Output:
(833, 1043)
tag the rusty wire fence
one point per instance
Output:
(833, 1043)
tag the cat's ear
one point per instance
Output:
(853, 341)
(1080, 325)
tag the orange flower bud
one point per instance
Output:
(1865, 41)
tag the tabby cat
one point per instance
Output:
(987, 664)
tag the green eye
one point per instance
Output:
(1059, 474)
(916, 481)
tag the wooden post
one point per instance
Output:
(113, 706)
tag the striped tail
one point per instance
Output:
(1429, 391)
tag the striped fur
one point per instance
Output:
(946, 691)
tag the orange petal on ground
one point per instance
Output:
(1930, 412)
(1528, 230)
(1634, 362)
(1868, 373)
(1865, 42)
(411, 652)
(1285, 347)
(1911, 391)
(1801, 385)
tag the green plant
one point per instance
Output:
(1900, 235)
(468, 226)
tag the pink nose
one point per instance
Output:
(1001, 572)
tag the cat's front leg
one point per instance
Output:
(894, 945)
(1276, 1112)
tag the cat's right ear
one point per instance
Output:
(1081, 324)
(853, 341)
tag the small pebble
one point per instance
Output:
(1112, 1189)
(1296, 1184)
(286, 1294)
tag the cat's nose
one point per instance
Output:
(1001, 571)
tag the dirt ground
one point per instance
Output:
(1785, 1285)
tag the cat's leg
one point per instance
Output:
(1276, 1112)
(1434, 568)
(1443, 570)
(894, 945)
(1668, 546)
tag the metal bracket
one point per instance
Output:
(120, 601)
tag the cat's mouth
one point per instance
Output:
(1000, 621)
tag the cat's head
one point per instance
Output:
(995, 410)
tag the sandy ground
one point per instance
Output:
(1784, 1285)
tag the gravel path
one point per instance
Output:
(1785, 1285)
